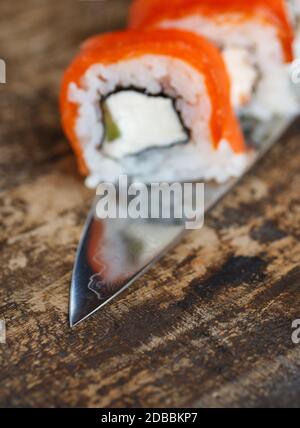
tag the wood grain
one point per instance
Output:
(210, 325)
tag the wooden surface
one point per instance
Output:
(210, 325)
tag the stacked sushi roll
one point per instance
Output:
(294, 9)
(158, 102)
(254, 36)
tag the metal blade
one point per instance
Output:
(114, 252)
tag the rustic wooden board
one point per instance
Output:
(210, 325)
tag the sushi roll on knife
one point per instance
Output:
(255, 37)
(154, 105)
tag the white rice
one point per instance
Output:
(156, 74)
(273, 94)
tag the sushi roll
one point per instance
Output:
(294, 9)
(255, 37)
(154, 105)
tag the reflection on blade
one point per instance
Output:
(114, 252)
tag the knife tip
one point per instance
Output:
(73, 323)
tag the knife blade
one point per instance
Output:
(113, 253)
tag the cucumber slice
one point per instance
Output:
(112, 131)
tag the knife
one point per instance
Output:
(113, 253)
